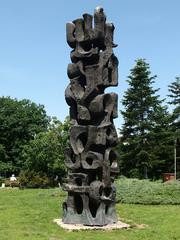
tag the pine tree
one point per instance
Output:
(142, 115)
(174, 89)
(160, 138)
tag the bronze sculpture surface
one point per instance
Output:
(90, 159)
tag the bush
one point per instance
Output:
(31, 179)
(9, 183)
(1, 181)
(147, 192)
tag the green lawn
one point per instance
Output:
(29, 214)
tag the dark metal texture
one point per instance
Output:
(91, 161)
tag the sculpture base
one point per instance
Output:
(78, 227)
(89, 215)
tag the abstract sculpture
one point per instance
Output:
(90, 159)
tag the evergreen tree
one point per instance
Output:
(145, 122)
(174, 89)
(160, 138)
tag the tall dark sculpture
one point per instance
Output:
(90, 159)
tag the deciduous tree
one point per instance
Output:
(20, 121)
(45, 153)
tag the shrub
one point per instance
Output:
(147, 192)
(31, 179)
(9, 183)
(1, 181)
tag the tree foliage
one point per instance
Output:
(145, 125)
(174, 90)
(20, 121)
(45, 153)
(174, 94)
(33, 144)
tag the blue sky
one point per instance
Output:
(34, 54)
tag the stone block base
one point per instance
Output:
(78, 227)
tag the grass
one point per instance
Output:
(28, 214)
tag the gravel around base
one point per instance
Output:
(78, 227)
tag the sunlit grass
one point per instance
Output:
(28, 214)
